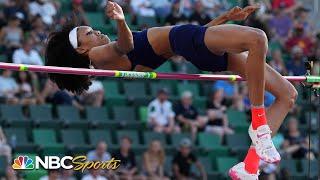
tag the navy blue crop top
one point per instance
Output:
(143, 54)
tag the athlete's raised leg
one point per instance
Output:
(237, 39)
(284, 92)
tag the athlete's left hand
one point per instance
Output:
(239, 14)
(114, 11)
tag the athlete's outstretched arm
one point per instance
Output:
(235, 14)
(124, 44)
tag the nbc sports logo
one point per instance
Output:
(23, 162)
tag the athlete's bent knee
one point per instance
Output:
(258, 40)
(290, 96)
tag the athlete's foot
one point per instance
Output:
(238, 172)
(261, 139)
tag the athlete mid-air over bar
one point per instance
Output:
(213, 47)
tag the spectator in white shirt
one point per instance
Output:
(161, 115)
(94, 174)
(27, 55)
(45, 9)
(143, 8)
(100, 153)
(8, 88)
(162, 7)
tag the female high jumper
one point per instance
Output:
(213, 47)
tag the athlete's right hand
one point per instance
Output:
(114, 11)
(239, 14)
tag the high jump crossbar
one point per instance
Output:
(140, 75)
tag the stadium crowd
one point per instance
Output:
(294, 37)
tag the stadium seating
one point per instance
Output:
(71, 116)
(13, 116)
(112, 94)
(225, 163)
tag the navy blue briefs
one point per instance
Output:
(188, 41)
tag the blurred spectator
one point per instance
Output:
(3, 20)
(283, 3)
(94, 95)
(295, 65)
(78, 14)
(27, 55)
(5, 149)
(303, 18)
(44, 8)
(228, 88)
(125, 4)
(52, 174)
(143, 8)
(186, 7)
(100, 153)
(183, 160)
(39, 34)
(162, 7)
(153, 161)
(94, 174)
(8, 88)
(277, 62)
(51, 93)
(11, 174)
(188, 116)
(299, 39)
(11, 35)
(161, 115)
(26, 91)
(280, 23)
(214, 7)
(128, 167)
(295, 144)
(268, 99)
(218, 121)
(268, 171)
(176, 17)
(199, 15)
(67, 174)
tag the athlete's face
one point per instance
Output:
(89, 38)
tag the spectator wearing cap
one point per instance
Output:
(44, 8)
(300, 39)
(78, 14)
(187, 115)
(183, 160)
(26, 54)
(161, 115)
(128, 167)
(295, 65)
(303, 18)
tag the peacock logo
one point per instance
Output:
(23, 162)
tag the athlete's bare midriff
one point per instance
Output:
(159, 40)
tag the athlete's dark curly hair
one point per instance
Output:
(59, 52)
